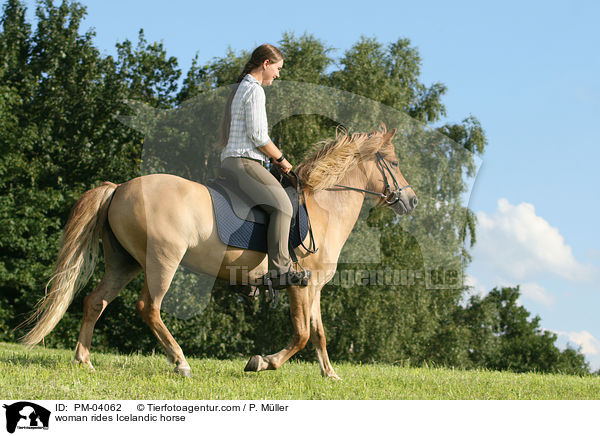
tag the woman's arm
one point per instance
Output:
(257, 127)
(274, 153)
(256, 117)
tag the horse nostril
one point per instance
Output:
(413, 202)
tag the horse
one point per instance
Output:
(154, 223)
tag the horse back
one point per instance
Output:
(162, 208)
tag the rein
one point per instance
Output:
(299, 191)
(312, 246)
(389, 196)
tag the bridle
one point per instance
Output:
(389, 196)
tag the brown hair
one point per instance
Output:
(258, 56)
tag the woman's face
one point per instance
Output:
(271, 71)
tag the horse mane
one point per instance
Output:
(332, 159)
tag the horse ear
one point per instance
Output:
(389, 135)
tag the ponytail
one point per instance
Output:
(247, 68)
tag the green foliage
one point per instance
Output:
(502, 336)
(60, 137)
(62, 104)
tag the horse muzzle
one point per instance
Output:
(407, 202)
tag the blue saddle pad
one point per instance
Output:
(248, 234)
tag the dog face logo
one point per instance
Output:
(26, 415)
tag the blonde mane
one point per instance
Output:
(332, 159)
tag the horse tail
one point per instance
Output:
(76, 260)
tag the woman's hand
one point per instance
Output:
(284, 165)
(274, 153)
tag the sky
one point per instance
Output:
(528, 71)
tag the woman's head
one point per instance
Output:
(265, 62)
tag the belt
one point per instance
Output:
(262, 162)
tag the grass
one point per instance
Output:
(48, 374)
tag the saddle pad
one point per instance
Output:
(240, 233)
(241, 204)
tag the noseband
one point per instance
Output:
(389, 196)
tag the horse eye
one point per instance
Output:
(395, 163)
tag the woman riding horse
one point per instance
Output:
(248, 147)
(156, 222)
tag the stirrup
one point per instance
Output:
(303, 274)
(300, 278)
(291, 278)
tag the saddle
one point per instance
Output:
(243, 224)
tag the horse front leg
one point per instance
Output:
(317, 337)
(300, 304)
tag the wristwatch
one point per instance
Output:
(281, 158)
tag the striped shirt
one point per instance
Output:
(249, 127)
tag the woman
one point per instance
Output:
(248, 148)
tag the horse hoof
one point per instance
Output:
(331, 376)
(185, 372)
(87, 364)
(253, 364)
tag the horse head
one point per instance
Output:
(360, 162)
(384, 176)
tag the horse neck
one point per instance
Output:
(338, 210)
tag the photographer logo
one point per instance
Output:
(26, 416)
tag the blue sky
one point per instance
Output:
(527, 70)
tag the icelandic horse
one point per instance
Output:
(156, 222)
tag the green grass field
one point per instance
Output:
(49, 374)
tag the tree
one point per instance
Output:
(62, 104)
(504, 336)
(60, 137)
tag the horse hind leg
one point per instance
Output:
(159, 275)
(120, 269)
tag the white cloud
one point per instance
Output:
(537, 293)
(476, 287)
(518, 245)
(529, 290)
(588, 343)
